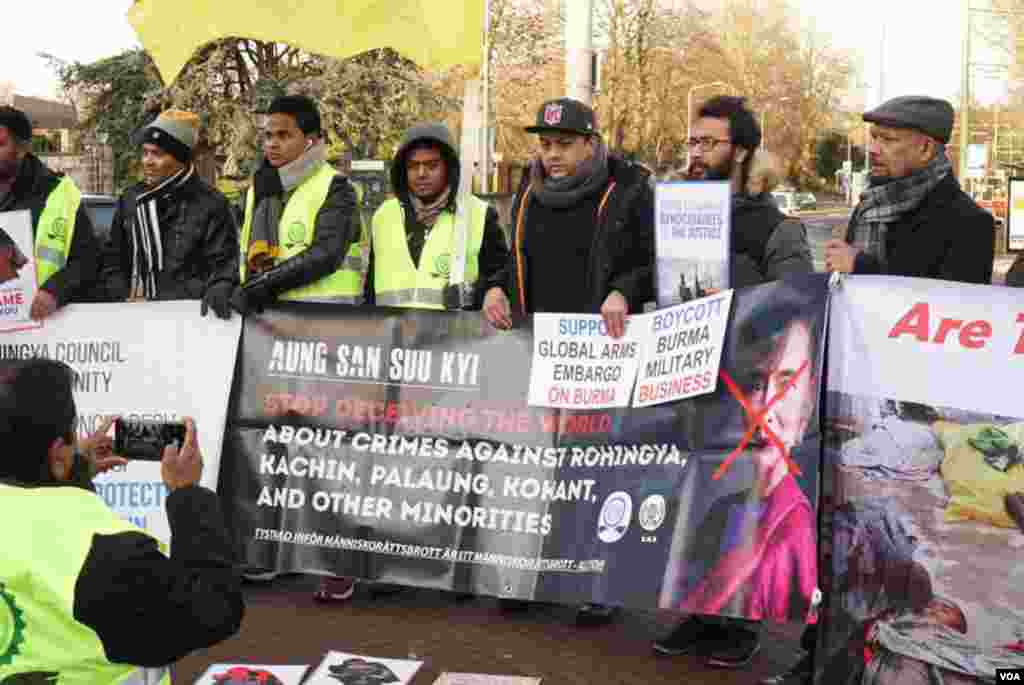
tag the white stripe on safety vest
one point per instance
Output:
(145, 676)
(409, 295)
(49, 254)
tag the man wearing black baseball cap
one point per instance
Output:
(65, 245)
(914, 219)
(583, 226)
(583, 237)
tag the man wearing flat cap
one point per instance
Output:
(914, 219)
(173, 237)
(64, 242)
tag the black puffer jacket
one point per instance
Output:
(200, 244)
(31, 189)
(621, 256)
(766, 244)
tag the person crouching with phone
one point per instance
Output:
(113, 607)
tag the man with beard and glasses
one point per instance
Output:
(173, 237)
(65, 243)
(302, 238)
(914, 219)
(584, 239)
(765, 246)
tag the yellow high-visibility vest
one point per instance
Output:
(397, 282)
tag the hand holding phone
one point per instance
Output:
(146, 440)
(183, 467)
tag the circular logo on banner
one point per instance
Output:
(613, 521)
(652, 513)
(296, 232)
(12, 627)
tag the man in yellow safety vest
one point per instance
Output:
(416, 238)
(66, 251)
(85, 596)
(301, 235)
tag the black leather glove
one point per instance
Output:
(217, 297)
(247, 300)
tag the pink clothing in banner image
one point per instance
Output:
(772, 572)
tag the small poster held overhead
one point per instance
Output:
(17, 271)
(692, 228)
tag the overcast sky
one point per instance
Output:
(921, 51)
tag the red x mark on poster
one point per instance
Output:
(758, 420)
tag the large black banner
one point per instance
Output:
(397, 446)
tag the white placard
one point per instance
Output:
(239, 674)
(484, 679)
(681, 350)
(341, 667)
(1015, 214)
(153, 360)
(577, 365)
(17, 271)
(692, 224)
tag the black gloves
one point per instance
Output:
(218, 298)
(251, 297)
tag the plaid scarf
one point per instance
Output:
(888, 202)
(147, 237)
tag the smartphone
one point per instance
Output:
(145, 440)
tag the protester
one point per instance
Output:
(415, 237)
(765, 246)
(173, 237)
(584, 238)
(575, 182)
(108, 603)
(65, 243)
(913, 219)
(301, 238)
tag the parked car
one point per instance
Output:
(786, 202)
(806, 201)
(101, 210)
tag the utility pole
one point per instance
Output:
(965, 91)
(579, 50)
(485, 118)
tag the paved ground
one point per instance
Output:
(284, 625)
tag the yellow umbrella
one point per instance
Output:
(432, 33)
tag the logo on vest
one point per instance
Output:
(296, 234)
(12, 627)
(442, 266)
(58, 229)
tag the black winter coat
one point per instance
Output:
(766, 245)
(621, 256)
(31, 189)
(200, 244)
(948, 237)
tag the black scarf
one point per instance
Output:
(559, 193)
(147, 239)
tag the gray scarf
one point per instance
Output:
(888, 202)
(273, 187)
(560, 193)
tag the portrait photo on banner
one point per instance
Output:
(745, 532)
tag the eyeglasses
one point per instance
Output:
(705, 143)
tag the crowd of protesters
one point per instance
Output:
(581, 240)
